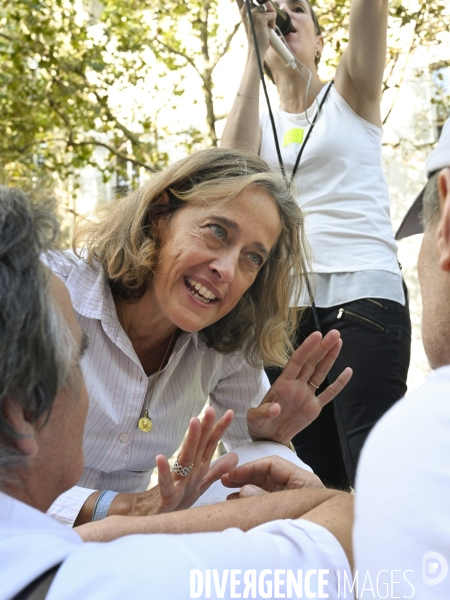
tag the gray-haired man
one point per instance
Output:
(402, 523)
(43, 404)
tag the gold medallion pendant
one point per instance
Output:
(145, 423)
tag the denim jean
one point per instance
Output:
(376, 335)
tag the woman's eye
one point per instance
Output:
(255, 258)
(218, 231)
(298, 9)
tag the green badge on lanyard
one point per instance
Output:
(293, 136)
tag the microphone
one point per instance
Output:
(284, 24)
(283, 20)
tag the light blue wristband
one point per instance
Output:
(102, 504)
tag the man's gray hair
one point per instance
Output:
(37, 349)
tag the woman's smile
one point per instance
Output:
(200, 292)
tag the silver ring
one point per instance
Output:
(262, 8)
(316, 387)
(183, 471)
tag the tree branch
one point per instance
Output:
(226, 46)
(129, 134)
(180, 53)
(126, 157)
(90, 142)
(402, 77)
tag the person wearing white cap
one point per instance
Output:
(402, 517)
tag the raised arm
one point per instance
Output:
(242, 126)
(360, 72)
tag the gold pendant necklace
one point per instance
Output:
(145, 423)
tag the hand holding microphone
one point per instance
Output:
(283, 20)
(271, 16)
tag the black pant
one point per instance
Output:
(376, 335)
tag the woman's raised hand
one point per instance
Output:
(176, 492)
(261, 20)
(291, 403)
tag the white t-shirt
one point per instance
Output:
(402, 526)
(343, 191)
(165, 566)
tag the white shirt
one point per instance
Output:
(403, 495)
(160, 565)
(118, 456)
(343, 192)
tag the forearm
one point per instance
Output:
(360, 73)
(124, 504)
(367, 33)
(336, 514)
(242, 126)
(249, 513)
(364, 59)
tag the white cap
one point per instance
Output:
(438, 159)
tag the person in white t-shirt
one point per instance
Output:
(43, 406)
(355, 276)
(402, 511)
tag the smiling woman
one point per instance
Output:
(240, 235)
(184, 289)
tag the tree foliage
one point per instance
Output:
(90, 87)
(64, 69)
(411, 25)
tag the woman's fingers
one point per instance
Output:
(301, 356)
(202, 438)
(320, 373)
(218, 469)
(334, 389)
(207, 426)
(188, 451)
(165, 479)
(305, 360)
(216, 434)
(258, 417)
(263, 20)
(318, 354)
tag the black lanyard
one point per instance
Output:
(322, 102)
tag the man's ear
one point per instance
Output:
(27, 442)
(443, 231)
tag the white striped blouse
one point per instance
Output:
(118, 456)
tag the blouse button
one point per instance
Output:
(124, 437)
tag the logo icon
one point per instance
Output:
(434, 568)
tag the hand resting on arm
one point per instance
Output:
(173, 491)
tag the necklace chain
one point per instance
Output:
(145, 423)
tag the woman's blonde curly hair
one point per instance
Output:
(121, 241)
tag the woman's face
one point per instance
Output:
(303, 39)
(211, 254)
